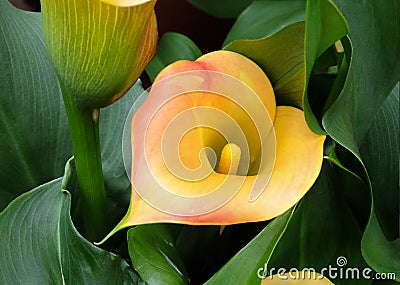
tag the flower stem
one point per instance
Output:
(84, 129)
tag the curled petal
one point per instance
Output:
(236, 66)
(246, 71)
(297, 165)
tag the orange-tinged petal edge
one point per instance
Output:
(298, 163)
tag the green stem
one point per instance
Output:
(84, 129)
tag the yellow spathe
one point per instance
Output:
(298, 151)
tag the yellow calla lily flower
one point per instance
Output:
(282, 156)
(99, 48)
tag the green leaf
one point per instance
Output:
(373, 74)
(172, 47)
(329, 76)
(281, 56)
(264, 18)
(324, 26)
(244, 266)
(326, 60)
(324, 227)
(344, 58)
(380, 152)
(155, 256)
(41, 246)
(333, 158)
(381, 254)
(118, 186)
(373, 71)
(34, 138)
(221, 8)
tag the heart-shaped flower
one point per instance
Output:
(210, 147)
(99, 48)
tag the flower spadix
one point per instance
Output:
(99, 48)
(227, 126)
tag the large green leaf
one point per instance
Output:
(172, 47)
(155, 256)
(264, 18)
(324, 227)
(374, 31)
(34, 140)
(324, 26)
(380, 152)
(221, 8)
(373, 74)
(244, 267)
(40, 245)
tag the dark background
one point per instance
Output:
(175, 16)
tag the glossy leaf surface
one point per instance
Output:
(372, 77)
(381, 242)
(243, 267)
(41, 246)
(34, 141)
(155, 256)
(264, 18)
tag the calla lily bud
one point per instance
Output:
(99, 48)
